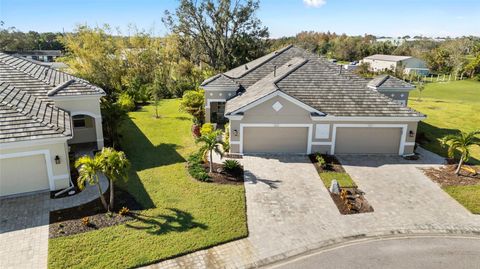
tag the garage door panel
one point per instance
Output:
(23, 174)
(367, 140)
(275, 139)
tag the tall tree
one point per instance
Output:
(225, 33)
(88, 170)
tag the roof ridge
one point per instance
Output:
(60, 87)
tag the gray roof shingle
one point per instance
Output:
(319, 84)
(386, 82)
(27, 111)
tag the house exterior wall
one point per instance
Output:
(400, 96)
(84, 106)
(58, 174)
(379, 65)
(291, 114)
(84, 134)
(217, 95)
(409, 65)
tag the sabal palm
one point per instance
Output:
(114, 164)
(88, 169)
(210, 144)
(461, 142)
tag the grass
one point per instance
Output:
(344, 179)
(182, 215)
(468, 196)
(450, 107)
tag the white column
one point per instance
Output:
(99, 132)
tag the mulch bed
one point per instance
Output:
(220, 176)
(68, 221)
(355, 197)
(333, 165)
(445, 176)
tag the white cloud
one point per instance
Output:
(314, 3)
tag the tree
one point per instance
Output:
(114, 164)
(461, 142)
(88, 170)
(420, 88)
(224, 33)
(193, 103)
(113, 115)
(211, 144)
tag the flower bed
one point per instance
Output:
(350, 199)
(199, 169)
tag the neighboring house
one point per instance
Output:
(292, 101)
(392, 87)
(47, 56)
(43, 111)
(381, 62)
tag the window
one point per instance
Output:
(79, 121)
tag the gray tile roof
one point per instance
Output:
(319, 84)
(388, 58)
(27, 111)
(386, 82)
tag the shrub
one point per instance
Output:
(321, 161)
(85, 221)
(231, 165)
(124, 211)
(126, 102)
(207, 128)
(195, 168)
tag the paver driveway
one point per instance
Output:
(290, 211)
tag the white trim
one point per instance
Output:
(76, 97)
(368, 119)
(35, 142)
(322, 143)
(275, 94)
(409, 143)
(234, 117)
(402, 138)
(234, 142)
(48, 162)
(207, 105)
(292, 125)
(88, 113)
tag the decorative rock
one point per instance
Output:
(335, 187)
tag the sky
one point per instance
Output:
(283, 17)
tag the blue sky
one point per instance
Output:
(283, 17)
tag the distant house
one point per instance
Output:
(381, 62)
(47, 56)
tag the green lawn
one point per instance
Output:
(184, 215)
(468, 196)
(344, 179)
(450, 107)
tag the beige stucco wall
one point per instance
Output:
(84, 134)
(293, 114)
(216, 96)
(60, 175)
(91, 105)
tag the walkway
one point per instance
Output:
(24, 226)
(290, 211)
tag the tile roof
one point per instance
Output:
(27, 111)
(389, 58)
(319, 84)
(386, 82)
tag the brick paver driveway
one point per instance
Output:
(290, 211)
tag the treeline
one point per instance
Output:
(12, 39)
(452, 56)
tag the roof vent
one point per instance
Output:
(246, 67)
(274, 70)
(45, 73)
(340, 70)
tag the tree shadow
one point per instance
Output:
(251, 178)
(428, 136)
(180, 221)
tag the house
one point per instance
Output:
(392, 87)
(46, 56)
(43, 112)
(292, 101)
(381, 62)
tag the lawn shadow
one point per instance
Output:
(180, 221)
(428, 136)
(251, 178)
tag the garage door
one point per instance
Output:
(367, 140)
(275, 139)
(23, 174)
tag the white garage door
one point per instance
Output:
(23, 174)
(367, 140)
(275, 140)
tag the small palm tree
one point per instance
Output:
(211, 144)
(461, 142)
(88, 169)
(114, 164)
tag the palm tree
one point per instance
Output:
(461, 142)
(114, 164)
(211, 144)
(88, 169)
